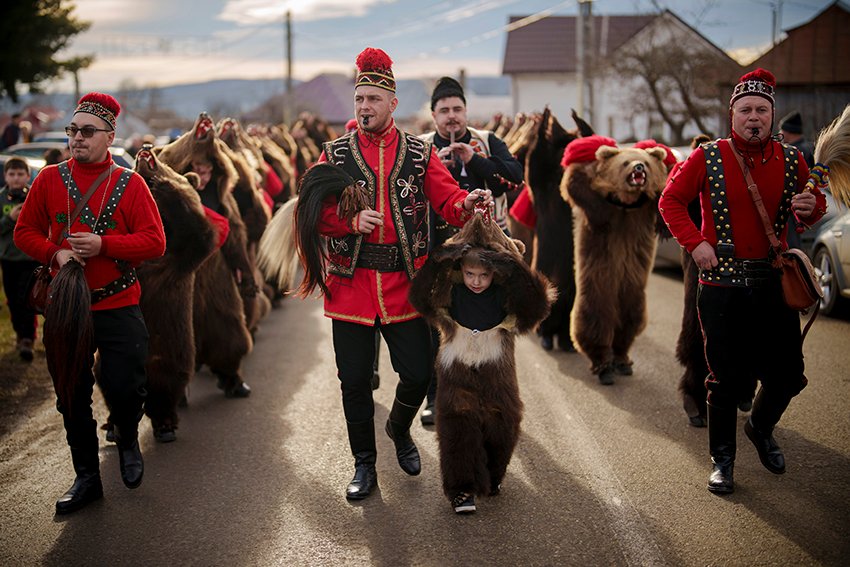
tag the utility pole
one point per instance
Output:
(287, 97)
(777, 20)
(584, 59)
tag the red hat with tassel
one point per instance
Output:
(374, 68)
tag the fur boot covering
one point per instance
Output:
(614, 194)
(168, 286)
(478, 405)
(222, 338)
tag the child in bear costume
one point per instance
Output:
(478, 407)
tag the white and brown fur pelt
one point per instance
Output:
(478, 406)
(222, 337)
(168, 284)
(614, 225)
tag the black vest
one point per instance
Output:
(408, 203)
(731, 270)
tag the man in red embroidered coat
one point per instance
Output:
(118, 228)
(373, 259)
(749, 333)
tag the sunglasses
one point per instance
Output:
(86, 131)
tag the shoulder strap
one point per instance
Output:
(753, 189)
(92, 188)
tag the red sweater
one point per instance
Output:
(748, 233)
(134, 232)
(370, 294)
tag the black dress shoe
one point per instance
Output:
(405, 451)
(427, 415)
(131, 463)
(164, 433)
(720, 481)
(239, 390)
(769, 452)
(606, 376)
(547, 342)
(364, 482)
(86, 489)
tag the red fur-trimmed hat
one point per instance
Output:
(669, 159)
(582, 150)
(760, 82)
(374, 68)
(102, 105)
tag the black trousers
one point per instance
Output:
(750, 334)
(121, 337)
(411, 355)
(16, 276)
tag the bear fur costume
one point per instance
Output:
(553, 242)
(478, 406)
(168, 289)
(222, 338)
(253, 209)
(614, 201)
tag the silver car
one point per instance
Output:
(831, 258)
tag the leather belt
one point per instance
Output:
(743, 273)
(380, 257)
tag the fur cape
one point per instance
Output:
(478, 406)
(222, 337)
(168, 286)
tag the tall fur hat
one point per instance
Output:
(375, 69)
(760, 82)
(102, 105)
(446, 87)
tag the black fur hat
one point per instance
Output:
(792, 123)
(445, 88)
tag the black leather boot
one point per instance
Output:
(361, 437)
(129, 455)
(87, 486)
(768, 407)
(398, 428)
(722, 427)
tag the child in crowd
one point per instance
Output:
(17, 267)
(479, 293)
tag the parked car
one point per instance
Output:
(831, 259)
(37, 149)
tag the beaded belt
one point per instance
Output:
(741, 272)
(381, 257)
(126, 280)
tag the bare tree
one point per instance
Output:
(678, 79)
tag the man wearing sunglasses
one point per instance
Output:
(118, 228)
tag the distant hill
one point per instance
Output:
(240, 96)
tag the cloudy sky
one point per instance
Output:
(164, 42)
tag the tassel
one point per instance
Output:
(352, 200)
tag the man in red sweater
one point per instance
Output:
(118, 228)
(749, 333)
(372, 260)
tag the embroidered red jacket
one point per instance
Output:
(369, 294)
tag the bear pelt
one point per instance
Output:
(201, 143)
(222, 337)
(168, 287)
(478, 405)
(553, 247)
(613, 199)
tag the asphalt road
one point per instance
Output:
(601, 475)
